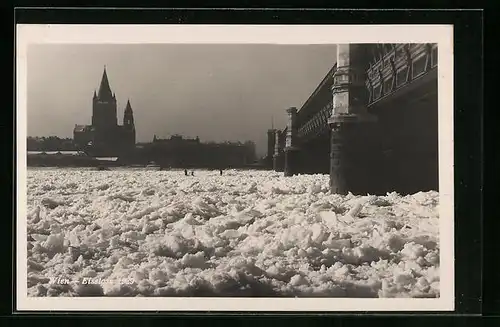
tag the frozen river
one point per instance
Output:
(246, 233)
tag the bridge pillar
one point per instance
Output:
(292, 157)
(279, 162)
(291, 150)
(271, 138)
(354, 132)
(279, 156)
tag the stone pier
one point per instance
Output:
(271, 139)
(354, 156)
(279, 155)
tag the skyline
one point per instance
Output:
(216, 92)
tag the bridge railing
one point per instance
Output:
(310, 108)
(316, 125)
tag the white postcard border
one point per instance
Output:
(248, 34)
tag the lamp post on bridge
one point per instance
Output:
(291, 150)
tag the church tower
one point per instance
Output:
(104, 106)
(128, 122)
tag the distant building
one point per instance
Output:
(177, 151)
(104, 137)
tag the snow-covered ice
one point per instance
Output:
(246, 233)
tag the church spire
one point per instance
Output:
(104, 89)
(128, 115)
(128, 107)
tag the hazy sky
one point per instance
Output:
(216, 92)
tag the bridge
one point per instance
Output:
(371, 123)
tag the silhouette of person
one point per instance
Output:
(185, 172)
(220, 171)
(192, 173)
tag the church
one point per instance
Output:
(104, 137)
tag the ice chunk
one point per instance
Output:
(298, 280)
(39, 237)
(230, 233)
(355, 210)
(51, 203)
(54, 243)
(329, 218)
(194, 260)
(413, 251)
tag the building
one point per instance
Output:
(180, 152)
(104, 137)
